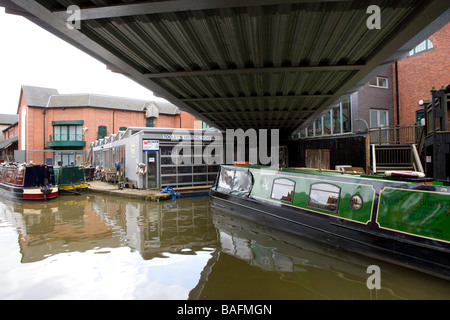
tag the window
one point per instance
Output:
(422, 47)
(149, 123)
(67, 133)
(346, 119)
(101, 132)
(236, 180)
(67, 158)
(318, 127)
(327, 123)
(242, 181)
(336, 120)
(379, 82)
(324, 196)
(379, 119)
(283, 189)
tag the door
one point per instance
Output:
(379, 119)
(318, 158)
(153, 170)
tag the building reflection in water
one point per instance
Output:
(224, 257)
(78, 224)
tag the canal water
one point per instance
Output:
(100, 247)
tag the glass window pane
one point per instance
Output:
(168, 170)
(373, 118)
(169, 180)
(324, 196)
(183, 170)
(199, 169)
(184, 179)
(57, 133)
(200, 178)
(283, 189)
(336, 119)
(226, 178)
(421, 47)
(79, 133)
(242, 181)
(166, 151)
(327, 124)
(346, 116)
(373, 82)
(166, 160)
(71, 133)
(383, 119)
(319, 127)
(311, 131)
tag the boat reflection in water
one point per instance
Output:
(264, 263)
(102, 247)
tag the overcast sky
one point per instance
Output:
(29, 55)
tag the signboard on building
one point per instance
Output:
(150, 145)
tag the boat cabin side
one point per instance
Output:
(408, 208)
(341, 199)
(27, 175)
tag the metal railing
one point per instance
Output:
(397, 147)
(391, 157)
(398, 134)
(67, 137)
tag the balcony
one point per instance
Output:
(66, 141)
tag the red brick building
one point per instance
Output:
(64, 125)
(8, 137)
(427, 65)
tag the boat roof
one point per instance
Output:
(335, 173)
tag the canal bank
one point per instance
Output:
(145, 194)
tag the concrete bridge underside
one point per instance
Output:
(242, 63)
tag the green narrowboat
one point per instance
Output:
(404, 221)
(70, 180)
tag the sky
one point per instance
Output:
(29, 55)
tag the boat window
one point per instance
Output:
(242, 181)
(226, 178)
(283, 189)
(324, 196)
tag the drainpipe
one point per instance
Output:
(397, 98)
(44, 112)
(114, 112)
(179, 115)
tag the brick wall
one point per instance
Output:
(417, 74)
(37, 137)
(376, 98)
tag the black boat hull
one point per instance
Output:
(413, 253)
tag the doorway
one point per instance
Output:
(379, 119)
(153, 170)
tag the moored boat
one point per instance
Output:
(27, 181)
(70, 180)
(405, 222)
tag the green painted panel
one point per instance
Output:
(66, 144)
(263, 184)
(421, 213)
(69, 175)
(68, 122)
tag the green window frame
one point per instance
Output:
(102, 132)
(67, 132)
